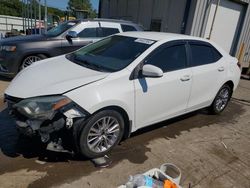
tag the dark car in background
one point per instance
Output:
(16, 53)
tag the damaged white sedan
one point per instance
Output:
(101, 93)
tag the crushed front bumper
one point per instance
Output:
(50, 131)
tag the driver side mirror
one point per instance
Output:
(71, 34)
(151, 71)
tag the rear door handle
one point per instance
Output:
(220, 69)
(185, 78)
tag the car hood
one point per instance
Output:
(27, 38)
(50, 77)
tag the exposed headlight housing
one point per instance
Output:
(8, 48)
(41, 107)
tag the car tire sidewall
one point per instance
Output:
(213, 108)
(83, 146)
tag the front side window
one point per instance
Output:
(110, 54)
(203, 54)
(168, 58)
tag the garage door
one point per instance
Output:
(227, 24)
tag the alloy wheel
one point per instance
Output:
(29, 60)
(222, 99)
(103, 134)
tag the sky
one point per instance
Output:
(62, 4)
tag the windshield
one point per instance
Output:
(110, 54)
(60, 28)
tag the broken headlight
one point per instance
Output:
(41, 107)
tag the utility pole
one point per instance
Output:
(40, 21)
(25, 16)
(28, 15)
(31, 15)
(45, 16)
(35, 15)
(23, 13)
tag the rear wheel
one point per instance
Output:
(29, 60)
(221, 100)
(101, 133)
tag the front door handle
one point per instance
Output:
(220, 69)
(185, 78)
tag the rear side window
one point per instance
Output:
(128, 28)
(106, 31)
(88, 33)
(168, 58)
(203, 54)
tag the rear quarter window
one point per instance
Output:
(128, 28)
(106, 31)
(216, 54)
(203, 54)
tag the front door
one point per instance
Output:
(161, 98)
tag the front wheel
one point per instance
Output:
(221, 100)
(101, 133)
(29, 60)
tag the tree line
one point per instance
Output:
(15, 8)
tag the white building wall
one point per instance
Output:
(11, 22)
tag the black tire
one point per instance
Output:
(220, 103)
(25, 64)
(83, 131)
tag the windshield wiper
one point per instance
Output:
(89, 65)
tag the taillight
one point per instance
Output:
(239, 65)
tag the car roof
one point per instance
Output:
(158, 36)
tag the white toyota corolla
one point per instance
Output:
(101, 93)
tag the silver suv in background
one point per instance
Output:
(16, 53)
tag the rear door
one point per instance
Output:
(208, 70)
(160, 98)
